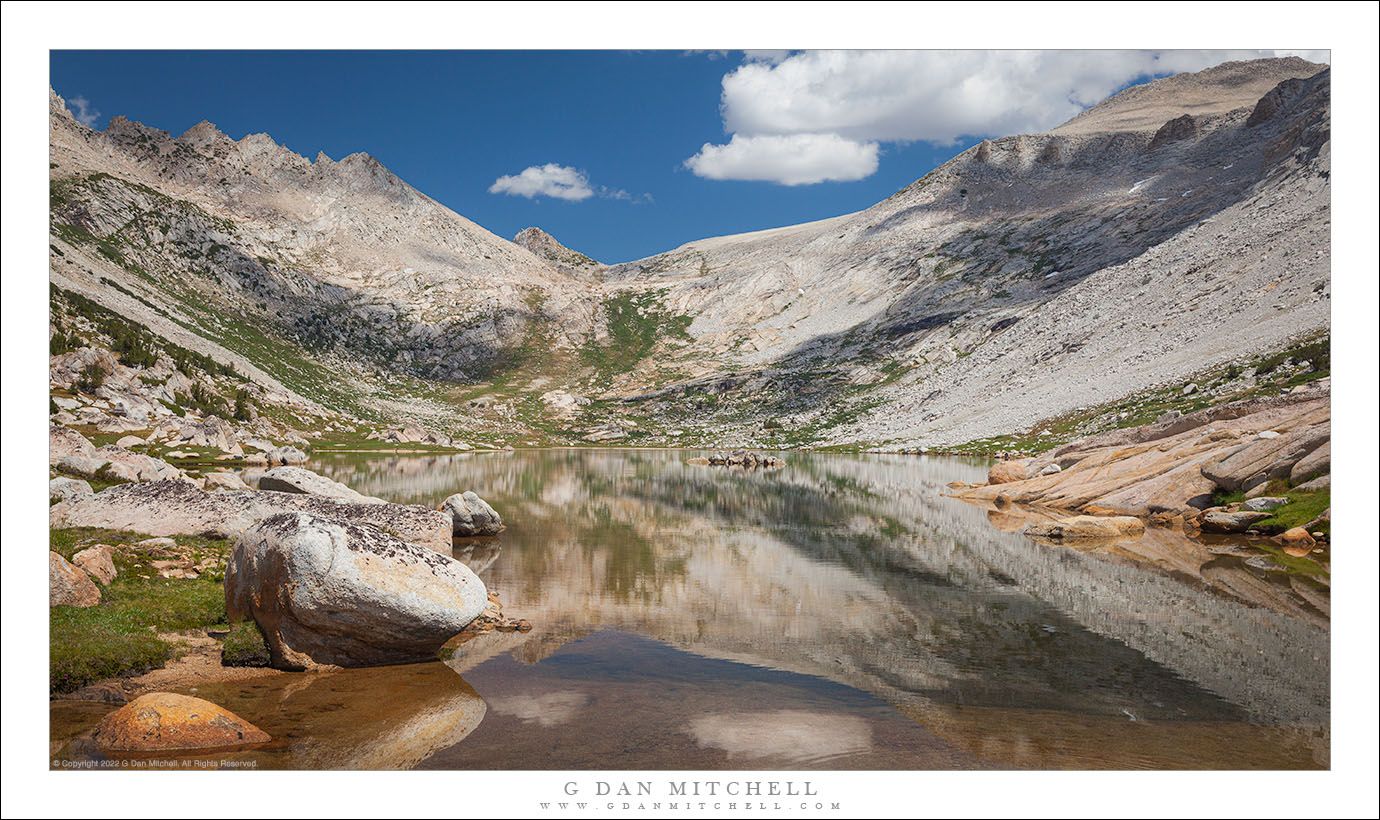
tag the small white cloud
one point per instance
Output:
(791, 159)
(556, 181)
(83, 112)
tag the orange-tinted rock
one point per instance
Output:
(1004, 472)
(69, 586)
(162, 721)
(1296, 542)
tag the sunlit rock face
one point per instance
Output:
(858, 570)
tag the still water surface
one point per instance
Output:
(837, 613)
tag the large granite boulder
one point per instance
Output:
(98, 561)
(63, 488)
(471, 515)
(285, 455)
(301, 480)
(69, 586)
(330, 593)
(1004, 472)
(179, 508)
(162, 721)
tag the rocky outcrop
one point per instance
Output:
(177, 508)
(471, 515)
(563, 403)
(327, 592)
(64, 442)
(745, 459)
(1227, 521)
(1267, 457)
(302, 480)
(163, 721)
(1179, 128)
(98, 561)
(1176, 464)
(213, 432)
(145, 467)
(69, 586)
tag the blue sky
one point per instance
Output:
(649, 149)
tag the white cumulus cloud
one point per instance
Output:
(83, 111)
(790, 159)
(852, 100)
(557, 181)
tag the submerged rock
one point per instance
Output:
(327, 592)
(471, 515)
(1088, 526)
(163, 721)
(165, 508)
(69, 586)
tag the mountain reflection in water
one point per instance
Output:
(866, 619)
(839, 613)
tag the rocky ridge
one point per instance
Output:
(1179, 224)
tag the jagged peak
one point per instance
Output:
(544, 245)
(122, 126)
(202, 130)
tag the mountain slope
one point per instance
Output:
(1173, 227)
(1030, 274)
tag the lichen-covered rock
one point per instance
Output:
(64, 442)
(62, 488)
(1264, 502)
(301, 480)
(98, 561)
(179, 508)
(327, 592)
(69, 586)
(1004, 472)
(471, 515)
(162, 721)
